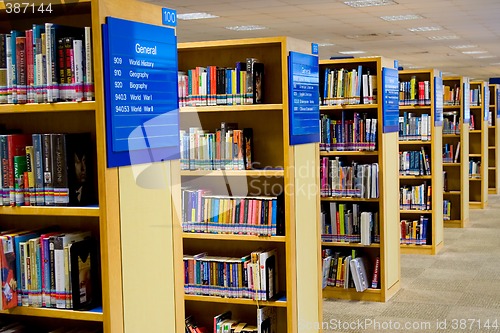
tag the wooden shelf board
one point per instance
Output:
(415, 177)
(452, 192)
(475, 132)
(451, 135)
(492, 147)
(237, 173)
(55, 313)
(241, 301)
(491, 127)
(232, 108)
(347, 153)
(492, 168)
(451, 164)
(415, 142)
(50, 211)
(47, 107)
(475, 179)
(475, 107)
(492, 191)
(244, 238)
(476, 204)
(343, 244)
(348, 199)
(414, 107)
(417, 249)
(457, 106)
(452, 224)
(372, 295)
(474, 155)
(348, 107)
(414, 211)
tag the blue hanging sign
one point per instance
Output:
(486, 102)
(303, 91)
(438, 101)
(390, 100)
(314, 48)
(140, 77)
(466, 101)
(169, 17)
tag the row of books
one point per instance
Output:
(414, 232)
(348, 223)
(17, 327)
(451, 123)
(224, 323)
(414, 163)
(451, 94)
(49, 269)
(355, 180)
(412, 127)
(450, 153)
(47, 63)
(228, 148)
(46, 169)
(213, 85)
(343, 134)
(203, 212)
(349, 271)
(472, 123)
(254, 276)
(415, 197)
(341, 86)
(475, 97)
(414, 92)
(474, 169)
(446, 210)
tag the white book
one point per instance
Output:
(326, 269)
(374, 181)
(77, 85)
(10, 73)
(360, 272)
(347, 262)
(88, 89)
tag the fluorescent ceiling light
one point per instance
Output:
(415, 67)
(369, 3)
(417, 29)
(443, 37)
(465, 46)
(474, 52)
(401, 17)
(195, 16)
(495, 64)
(485, 57)
(351, 52)
(326, 44)
(246, 27)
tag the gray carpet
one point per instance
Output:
(457, 290)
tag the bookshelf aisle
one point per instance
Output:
(420, 163)
(493, 141)
(456, 163)
(478, 145)
(246, 192)
(358, 165)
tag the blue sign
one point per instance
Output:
(390, 100)
(314, 48)
(466, 99)
(140, 77)
(498, 103)
(438, 101)
(169, 17)
(486, 102)
(303, 90)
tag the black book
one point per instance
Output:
(85, 288)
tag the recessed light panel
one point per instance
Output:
(369, 3)
(401, 17)
(423, 29)
(326, 44)
(443, 37)
(474, 52)
(351, 52)
(195, 16)
(464, 46)
(246, 27)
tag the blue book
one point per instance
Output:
(38, 169)
(18, 239)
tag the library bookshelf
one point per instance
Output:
(493, 141)
(421, 139)
(456, 132)
(478, 146)
(274, 171)
(338, 120)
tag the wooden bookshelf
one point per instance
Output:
(422, 105)
(457, 178)
(478, 144)
(494, 141)
(386, 143)
(276, 160)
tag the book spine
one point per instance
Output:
(61, 59)
(88, 89)
(68, 68)
(78, 70)
(52, 272)
(38, 170)
(59, 170)
(3, 69)
(30, 169)
(48, 184)
(19, 170)
(21, 70)
(30, 77)
(8, 58)
(13, 78)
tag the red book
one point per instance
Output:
(8, 265)
(16, 146)
(30, 68)
(21, 69)
(376, 273)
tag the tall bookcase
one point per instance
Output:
(420, 149)
(347, 143)
(456, 131)
(493, 141)
(127, 211)
(278, 168)
(478, 146)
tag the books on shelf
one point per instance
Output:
(416, 197)
(412, 127)
(223, 214)
(449, 154)
(451, 94)
(446, 210)
(341, 86)
(475, 96)
(266, 320)
(356, 180)
(228, 148)
(414, 163)
(213, 85)
(344, 134)
(342, 222)
(47, 63)
(414, 92)
(451, 122)
(414, 232)
(254, 276)
(474, 168)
